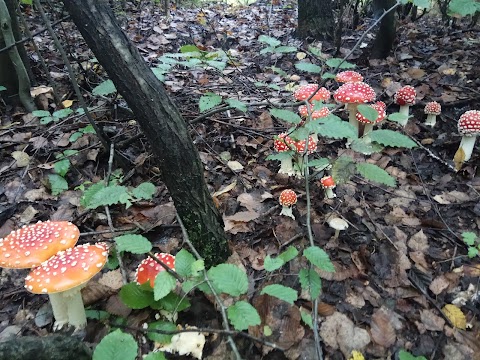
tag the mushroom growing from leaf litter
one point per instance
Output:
(348, 76)
(328, 185)
(284, 143)
(365, 125)
(338, 224)
(432, 110)
(469, 128)
(287, 199)
(305, 91)
(405, 97)
(148, 269)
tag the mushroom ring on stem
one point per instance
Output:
(469, 128)
(64, 275)
(287, 199)
(405, 97)
(432, 110)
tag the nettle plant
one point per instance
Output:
(169, 294)
(473, 243)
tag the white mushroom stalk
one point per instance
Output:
(405, 97)
(469, 128)
(432, 110)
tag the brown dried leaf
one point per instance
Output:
(431, 321)
(382, 329)
(115, 306)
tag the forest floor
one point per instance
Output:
(401, 260)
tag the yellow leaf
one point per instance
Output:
(301, 55)
(459, 158)
(67, 103)
(356, 355)
(23, 159)
(456, 316)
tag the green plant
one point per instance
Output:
(2, 88)
(80, 132)
(472, 242)
(47, 118)
(57, 181)
(405, 355)
(274, 46)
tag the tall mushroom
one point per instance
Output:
(405, 97)
(64, 275)
(283, 143)
(148, 268)
(469, 128)
(287, 199)
(432, 110)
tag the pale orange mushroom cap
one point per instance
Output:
(31, 245)
(287, 197)
(148, 269)
(68, 269)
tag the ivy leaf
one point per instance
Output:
(135, 297)
(237, 104)
(310, 281)
(105, 88)
(145, 191)
(392, 138)
(229, 279)
(242, 315)
(374, 173)
(334, 62)
(308, 67)
(319, 258)
(286, 115)
(57, 184)
(116, 345)
(135, 244)
(183, 263)
(164, 283)
(281, 292)
(209, 101)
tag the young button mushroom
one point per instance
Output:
(287, 199)
(348, 76)
(365, 125)
(328, 185)
(405, 97)
(63, 276)
(338, 224)
(469, 128)
(148, 269)
(281, 144)
(305, 91)
(432, 110)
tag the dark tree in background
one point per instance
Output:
(315, 19)
(160, 120)
(386, 33)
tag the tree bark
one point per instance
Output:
(160, 120)
(315, 19)
(386, 33)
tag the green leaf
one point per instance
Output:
(288, 254)
(88, 129)
(335, 62)
(228, 278)
(242, 315)
(336, 129)
(422, 3)
(61, 167)
(172, 302)
(472, 252)
(279, 71)
(155, 355)
(237, 104)
(40, 113)
(405, 355)
(374, 173)
(62, 113)
(306, 318)
(144, 191)
(368, 112)
(281, 292)
(116, 345)
(110, 195)
(365, 146)
(47, 120)
(219, 65)
(208, 101)
(75, 136)
(469, 238)
(280, 156)
(183, 263)
(269, 40)
(164, 283)
(319, 258)
(135, 244)
(272, 264)
(159, 73)
(104, 88)
(90, 192)
(135, 297)
(328, 75)
(197, 266)
(397, 117)
(57, 184)
(308, 67)
(162, 339)
(343, 169)
(392, 138)
(310, 281)
(285, 49)
(97, 314)
(286, 115)
(189, 48)
(2, 88)
(463, 7)
(267, 330)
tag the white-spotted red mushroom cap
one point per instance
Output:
(405, 96)
(381, 104)
(354, 93)
(432, 108)
(148, 269)
(348, 76)
(328, 182)
(283, 143)
(317, 114)
(381, 114)
(31, 245)
(469, 123)
(311, 146)
(68, 269)
(287, 198)
(305, 91)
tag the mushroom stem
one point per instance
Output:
(431, 120)
(467, 145)
(329, 193)
(404, 110)
(368, 128)
(361, 129)
(286, 167)
(352, 112)
(337, 233)
(59, 309)
(76, 310)
(287, 211)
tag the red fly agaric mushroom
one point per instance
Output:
(405, 97)
(148, 269)
(303, 147)
(328, 185)
(284, 143)
(31, 245)
(63, 276)
(317, 114)
(348, 76)
(432, 109)
(353, 94)
(365, 125)
(287, 199)
(469, 128)
(305, 91)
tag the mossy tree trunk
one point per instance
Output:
(387, 30)
(160, 120)
(315, 19)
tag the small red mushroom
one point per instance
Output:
(328, 185)
(287, 199)
(348, 76)
(432, 110)
(317, 114)
(366, 125)
(311, 146)
(283, 143)
(305, 91)
(469, 128)
(148, 269)
(405, 97)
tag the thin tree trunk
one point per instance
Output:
(160, 120)
(386, 33)
(315, 19)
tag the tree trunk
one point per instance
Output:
(386, 33)
(160, 120)
(315, 19)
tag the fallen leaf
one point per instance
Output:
(456, 316)
(382, 329)
(234, 165)
(22, 158)
(431, 321)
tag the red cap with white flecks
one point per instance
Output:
(287, 197)
(317, 114)
(405, 96)
(348, 76)
(433, 108)
(469, 123)
(327, 182)
(148, 269)
(283, 143)
(381, 114)
(354, 93)
(305, 91)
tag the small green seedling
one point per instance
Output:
(47, 118)
(472, 242)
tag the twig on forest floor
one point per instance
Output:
(167, 269)
(432, 155)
